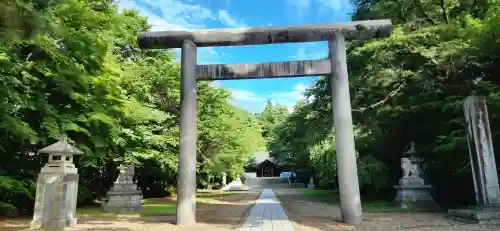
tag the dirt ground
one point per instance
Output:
(224, 214)
(309, 215)
(228, 212)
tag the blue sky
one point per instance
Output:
(209, 14)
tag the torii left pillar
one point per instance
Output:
(350, 201)
(186, 185)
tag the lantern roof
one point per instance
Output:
(61, 147)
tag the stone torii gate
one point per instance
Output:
(335, 66)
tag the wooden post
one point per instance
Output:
(350, 202)
(186, 186)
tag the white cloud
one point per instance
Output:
(244, 95)
(300, 87)
(229, 20)
(289, 98)
(174, 15)
(216, 83)
(255, 102)
(170, 14)
(206, 55)
(310, 51)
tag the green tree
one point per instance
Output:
(408, 87)
(72, 68)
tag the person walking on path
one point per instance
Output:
(292, 179)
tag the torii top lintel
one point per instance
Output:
(355, 30)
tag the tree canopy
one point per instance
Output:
(408, 87)
(73, 69)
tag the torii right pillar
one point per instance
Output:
(350, 201)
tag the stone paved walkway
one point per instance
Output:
(267, 215)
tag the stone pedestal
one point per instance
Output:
(414, 197)
(412, 192)
(57, 189)
(483, 166)
(124, 196)
(123, 201)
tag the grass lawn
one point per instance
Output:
(148, 209)
(154, 206)
(332, 196)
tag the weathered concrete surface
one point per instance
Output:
(357, 30)
(57, 189)
(267, 215)
(350, 200)
(263, 70)
(484, 171)
(482, 156)
(186, 189)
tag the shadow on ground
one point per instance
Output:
(309, 214)
(219, 212)
(306, 213)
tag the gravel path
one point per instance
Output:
(308, 215)
(224, 215)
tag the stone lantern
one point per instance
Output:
(57, 188)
